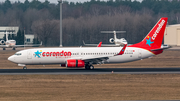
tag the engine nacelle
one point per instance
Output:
(2, 42)
(75, 63)
(111, 40)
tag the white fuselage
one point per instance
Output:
(55, 56)
(10, 43)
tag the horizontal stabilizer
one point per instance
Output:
(160, 48)
(100, 44)
(113, 31)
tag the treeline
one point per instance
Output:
(84, 21)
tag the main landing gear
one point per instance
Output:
(89, 66)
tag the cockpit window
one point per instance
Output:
(17, 54)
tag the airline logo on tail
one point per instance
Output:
(149, 42)
(155, 37)
(158, 29)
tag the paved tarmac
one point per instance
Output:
(95, 71)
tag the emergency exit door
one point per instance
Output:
(140, 53)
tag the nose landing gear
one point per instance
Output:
(24, 67)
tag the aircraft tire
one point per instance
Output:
(91, 67)
(24, 67)
(14, 48)
(87, 66)
(4, 48)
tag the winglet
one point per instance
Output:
(122, 50)
(99, 45)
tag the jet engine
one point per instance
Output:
(75, 63)
(2, 42)
(111, 40)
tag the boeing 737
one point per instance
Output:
(87, 56)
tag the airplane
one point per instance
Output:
(12, 44)
(81, 57)
(115, 40)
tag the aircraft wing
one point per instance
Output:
(3, 46)
(100, 44)
(100, 59)
(110, 45)
(15, 46)
(27, 45)
(96, 60)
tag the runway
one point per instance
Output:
(95, 71)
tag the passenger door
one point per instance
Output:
(29, 55)
(139, 54)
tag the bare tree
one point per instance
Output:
(30, 16)
(46, 31)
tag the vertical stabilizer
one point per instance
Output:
(6, 36)
(115, 38)
(155, 37)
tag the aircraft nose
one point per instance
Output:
(11, 58)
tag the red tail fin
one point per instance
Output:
(155, 37)
(122, 50)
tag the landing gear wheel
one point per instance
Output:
(87, 67)
(14, 48)
(91, 67)
(4, 48)
(24, 67)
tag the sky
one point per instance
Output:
(54, 1)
